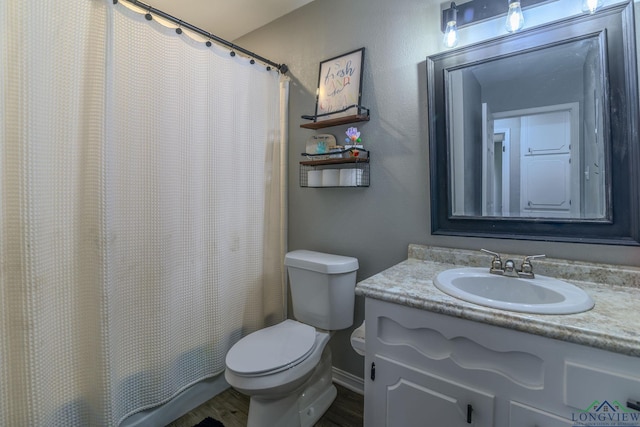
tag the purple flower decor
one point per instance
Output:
(353, 135)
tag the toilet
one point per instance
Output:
(286, 368)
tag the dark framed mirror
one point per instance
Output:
(535, 136)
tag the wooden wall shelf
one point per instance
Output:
(337, 121)
(333, 161)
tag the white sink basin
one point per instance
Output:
(541, 295)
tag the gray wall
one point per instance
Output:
(376, 224)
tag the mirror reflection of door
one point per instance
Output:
(549, 180)
(547, 165)
(489, 179)
(502, 156)
(496, 162)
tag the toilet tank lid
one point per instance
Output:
(321, 262)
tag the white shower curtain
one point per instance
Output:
(142, 204)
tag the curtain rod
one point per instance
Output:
(282, 68)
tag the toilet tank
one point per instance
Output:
(322, 288)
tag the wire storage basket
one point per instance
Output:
(324, 171)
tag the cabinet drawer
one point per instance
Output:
(521, 415)
(585, 385)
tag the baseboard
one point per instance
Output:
(348, 380)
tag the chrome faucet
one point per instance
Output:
(508, 268)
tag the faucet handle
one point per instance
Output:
(526, 267)
(495, 255)
(496, 262)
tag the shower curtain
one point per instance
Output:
(142, 210)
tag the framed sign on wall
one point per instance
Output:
(340, 85)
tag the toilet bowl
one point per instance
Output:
(286, 368)
(275, 360)
(291, 389)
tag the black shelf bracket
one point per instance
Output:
(361, 111)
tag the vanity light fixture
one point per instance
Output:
(451, 30)
(591, 6)
(462, 15)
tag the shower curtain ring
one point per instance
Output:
(148, 16)
(209, 41)
(179, 30)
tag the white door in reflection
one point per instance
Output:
(549, 184)
(490, 178)
(547, 163)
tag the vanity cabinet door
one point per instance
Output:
(521, 415)
(406, 396)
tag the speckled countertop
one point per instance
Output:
(613, 324)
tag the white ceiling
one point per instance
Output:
(228, 19)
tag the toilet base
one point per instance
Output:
(312, 413)
(303, 407)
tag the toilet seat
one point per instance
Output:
(271, 350)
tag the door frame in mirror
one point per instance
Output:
(615, 26)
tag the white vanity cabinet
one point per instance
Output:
(428, 369)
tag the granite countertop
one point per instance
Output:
(613, 324)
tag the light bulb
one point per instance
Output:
(591, 6)
(450, 16)
(451, 35)
(515, 20)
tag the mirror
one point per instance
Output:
(535, 135)
(516, 144)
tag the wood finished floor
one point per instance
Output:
(231, 408)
